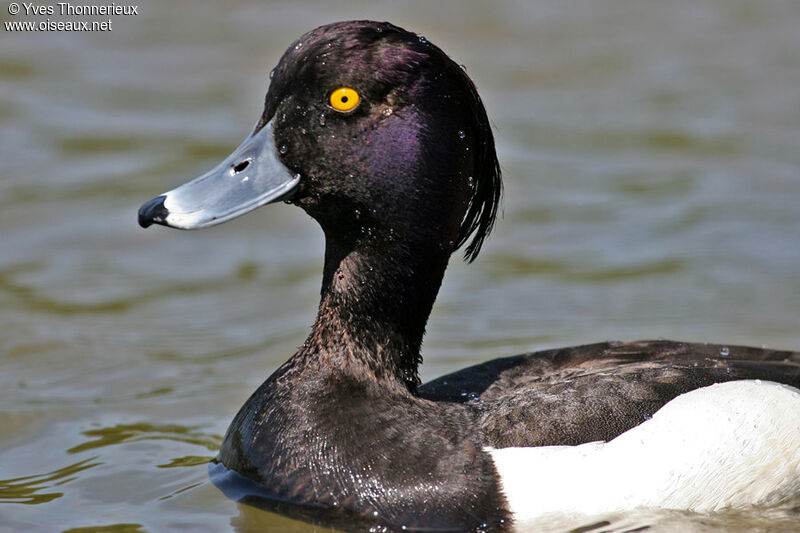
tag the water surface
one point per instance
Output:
(652, 183)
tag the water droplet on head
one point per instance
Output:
(322, 119)
(271, 73)
(387, 111)
(724, 351)
(461, 134)
(423, 40)
(298, 46)
(471, 182)
(283, 149)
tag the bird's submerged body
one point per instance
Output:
(526, 437)
(381, 138)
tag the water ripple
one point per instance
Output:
(109, 436)
(34, 489)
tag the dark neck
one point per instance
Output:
(376, 299)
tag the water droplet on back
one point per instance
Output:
(283, 149)
(423, 40)
(271, 73)
(322, 119)
(724, 351)
(461, 134)
(298, 46)
(387, 111)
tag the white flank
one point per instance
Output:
(728, 445)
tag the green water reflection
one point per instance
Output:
(39, 488)
(109, 436)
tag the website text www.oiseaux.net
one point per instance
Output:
(65, 9)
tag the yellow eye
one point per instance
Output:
(344, 99)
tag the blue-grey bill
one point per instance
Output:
(250, 177)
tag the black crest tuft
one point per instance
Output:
(485, 199)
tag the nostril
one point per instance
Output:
(241, 166)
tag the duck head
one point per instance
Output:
(381, 138)
(373, 131)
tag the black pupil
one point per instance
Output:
(344, 99)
